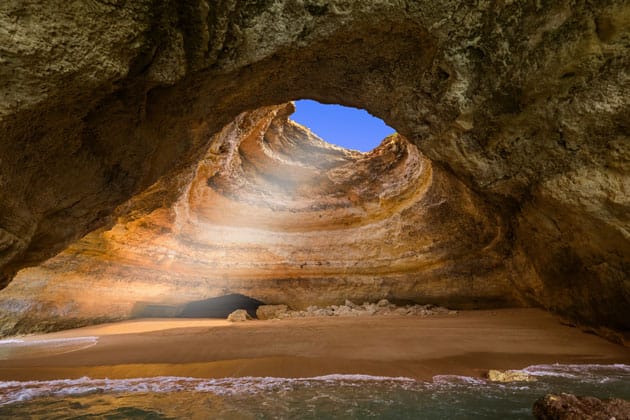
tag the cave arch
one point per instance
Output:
(277, 214)
(493, 94)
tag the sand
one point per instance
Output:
(468, 343)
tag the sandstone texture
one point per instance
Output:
(570, 407)
(519, 112)
(276, 214)
(264, 312)
(239, 315)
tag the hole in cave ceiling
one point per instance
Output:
(346, 127)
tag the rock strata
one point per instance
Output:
(571, 407)
(520, 109)
(276, 214)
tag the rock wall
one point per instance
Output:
(277, 214)
(526, 103)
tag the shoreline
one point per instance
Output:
(467, 344)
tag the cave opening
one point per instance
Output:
(219, 307)
(343, 126)
(150, 167)
(273, 213)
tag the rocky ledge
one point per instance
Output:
(571, 407)
(382, 308)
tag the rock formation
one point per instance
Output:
(349, 309)
(524, 103)
(570, 407)
(509, 376)
(275, 213)
(239, 315)
(264, 312)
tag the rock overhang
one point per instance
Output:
(277, 214)
(523, 103)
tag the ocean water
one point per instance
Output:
(16, 348)
(324, 397)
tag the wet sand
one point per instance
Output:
(468, 343)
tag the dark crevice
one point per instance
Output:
(216, 307)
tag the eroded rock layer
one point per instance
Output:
(277, 214)
(526, 102)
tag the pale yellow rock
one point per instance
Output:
(239, 315)
(509, 376)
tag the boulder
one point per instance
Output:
(383, 303)
(271, 311)
(239, 315)
(350, 304)
(509, 376)
(571, 407)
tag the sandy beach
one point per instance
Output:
(468, 343)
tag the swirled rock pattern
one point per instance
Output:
(524, 102)
(277, 214)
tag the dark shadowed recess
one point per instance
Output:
(217, 307)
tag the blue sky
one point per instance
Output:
(346, 127)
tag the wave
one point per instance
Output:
(457, 380)
(11, 341)
(20, 348)
(21, 342)
(356, 377)
(20, 391)
(577, 371)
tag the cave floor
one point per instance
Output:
(468, 343)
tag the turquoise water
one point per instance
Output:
(325, 397)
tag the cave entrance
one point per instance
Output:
(215, 307)
(350, 128)
(273, 211)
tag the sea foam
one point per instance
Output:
(19, 348)
(11, 341)
(19, 391)
(577, 371)
(53, 341)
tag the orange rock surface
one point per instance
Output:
(277, 214)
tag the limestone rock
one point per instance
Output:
(520, 109)
(366, 309)
(270, 311)
(383, 303)
(239, 315)
(569, 407)
(276, 214)
(509, 376)
(350, 304)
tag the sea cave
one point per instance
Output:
(155, 178)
